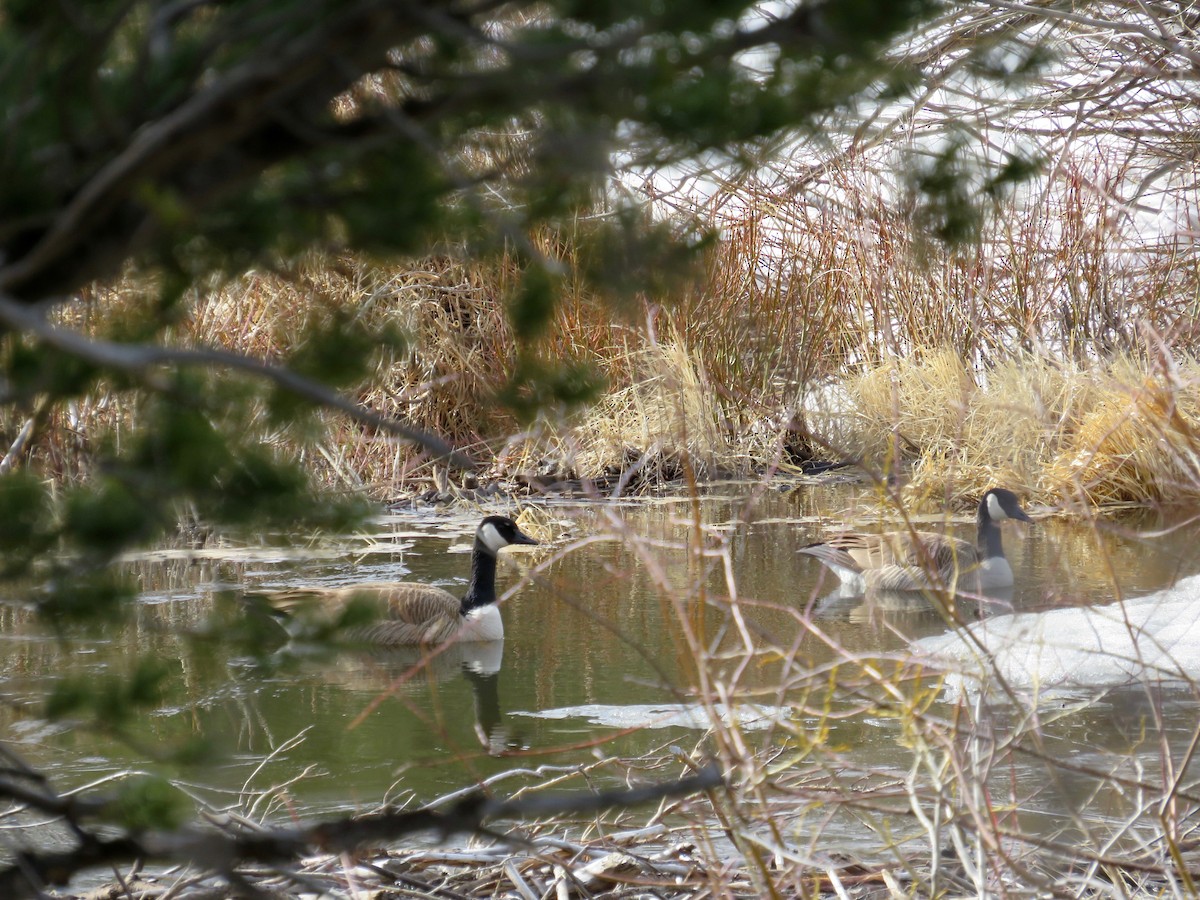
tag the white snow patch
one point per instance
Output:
(1069, 651)
(747, 716)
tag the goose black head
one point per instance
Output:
(998, 504)
(496, 532)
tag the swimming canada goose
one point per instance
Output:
(904, 560)
(415, 613)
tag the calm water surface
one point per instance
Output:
(595, 661)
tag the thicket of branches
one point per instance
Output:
(188, 142)
(181, 144)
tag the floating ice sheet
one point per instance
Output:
(747, 716)
(1073, 651)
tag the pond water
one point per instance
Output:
(598, 661)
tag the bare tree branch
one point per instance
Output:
(137, 359)
(223, 853)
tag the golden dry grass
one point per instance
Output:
(1125, 432)
(1137, 440)
(664, 421)
(956, 431)
(815, 328)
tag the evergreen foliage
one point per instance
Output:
(190, 141)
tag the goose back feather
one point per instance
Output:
(895, 561)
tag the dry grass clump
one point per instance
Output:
(1138, 439)
(1102, 434)
(666, 418)
(458, 352)
(951, 431)
(919, 404)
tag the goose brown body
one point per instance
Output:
(410, 613)
(897, 561)
(920, 560)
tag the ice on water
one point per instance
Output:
(1069, 651)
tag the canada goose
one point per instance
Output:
(415, 613)
(904, 560)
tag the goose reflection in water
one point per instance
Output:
(860, 608)
(476, 662)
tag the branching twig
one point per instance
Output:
(20, 444)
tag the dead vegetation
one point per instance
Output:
(1055, 352)
(1120, 433)
(1051, 358)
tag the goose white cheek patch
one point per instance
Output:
(492, 539)
(995, 510)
